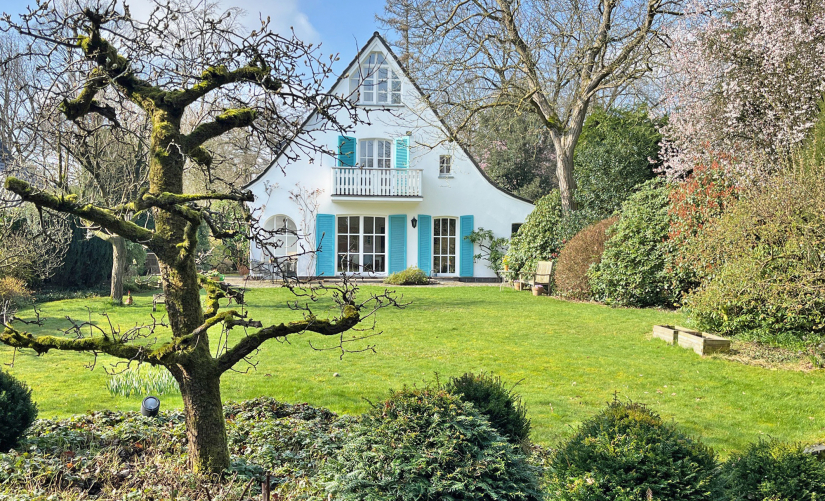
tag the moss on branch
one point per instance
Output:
(230, 119)
(68, 204)
(96, 344)
(349, 318)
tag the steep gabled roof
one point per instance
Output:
(377, 36)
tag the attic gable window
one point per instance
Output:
(379, 83)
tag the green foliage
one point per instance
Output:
(633, 271)
(771, 470)
(768, 278)
(582, 252)
(17, 411)
(492, 249)
(113, 456)
(142, 380)
(544, 232)
(411, 276)
(491, 397)
(516, 152)
(428, 444)
(695, 203)
(613, 157)
(88, 261)
(626, 452)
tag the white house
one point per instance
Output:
(397, 194)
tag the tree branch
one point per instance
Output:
(100, 216)
(249, 344)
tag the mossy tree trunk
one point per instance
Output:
(118, 267)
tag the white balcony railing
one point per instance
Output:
(355, 181)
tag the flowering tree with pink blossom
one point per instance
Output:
(747, 79)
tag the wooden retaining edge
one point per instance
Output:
(700, 342)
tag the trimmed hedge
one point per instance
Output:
(425, 444)
(582, 252)
(626, 452)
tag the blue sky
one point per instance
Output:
(341, 27)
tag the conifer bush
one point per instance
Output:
(426, 444)
(575, 259)
(495, 401)
(626, 452)
(772, 470)
(17, 411)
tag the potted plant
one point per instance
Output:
(538, 290)
(517, 285)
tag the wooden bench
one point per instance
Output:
(542, 276)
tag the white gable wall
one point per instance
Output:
(467, 192)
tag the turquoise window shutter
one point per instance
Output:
(466, 249)
(346, 151)
(325, 242)
(398, 243)
(425, 243)
(402, 152)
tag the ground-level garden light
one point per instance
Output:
(150, 406)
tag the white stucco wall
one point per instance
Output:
(468, 192)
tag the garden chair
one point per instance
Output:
(544, 270)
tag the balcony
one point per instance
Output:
(357, 184)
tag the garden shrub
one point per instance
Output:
(578, 255)
(768, 284)
(411, 276)
(13, 295)
(632, 271)
(769, 281)
(626, 452)
(428, 444)
(771, 470)
(544, 232)
(491, 397)
(613, 157)
(695, 203)
(17, 411)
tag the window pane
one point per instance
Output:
(451, 264)
(353, 243)
(368, 225)
(368, 263)
(342, 243)
(437, 228)
(437, 264)
(369, 240)
(396, 84)
(342, 225)
(342, 262)
(354, 262)
(368, 95)
(451, 246)
(396, 98)
(380, 226)
(355, 224)
(452, 228)
(380, 244)
(379, 263)
(383, 74)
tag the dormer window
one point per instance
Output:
(379, 83)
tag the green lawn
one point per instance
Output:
(570, 358)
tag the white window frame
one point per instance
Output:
(437, 254)
(374, 74)
(284, 246)
(362, 244)
(445, 161)
(374, 161)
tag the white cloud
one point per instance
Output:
(283, 15)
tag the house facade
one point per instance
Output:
(396, 194)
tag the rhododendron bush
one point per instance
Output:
(746, 79)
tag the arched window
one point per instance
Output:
(282, 243)
(379, 83)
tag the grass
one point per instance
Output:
(569, 359)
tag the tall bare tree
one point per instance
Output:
(550, 57)
(97, 61)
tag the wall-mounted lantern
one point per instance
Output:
(414, 222)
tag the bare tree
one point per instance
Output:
(549, 57)
(96, 61)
